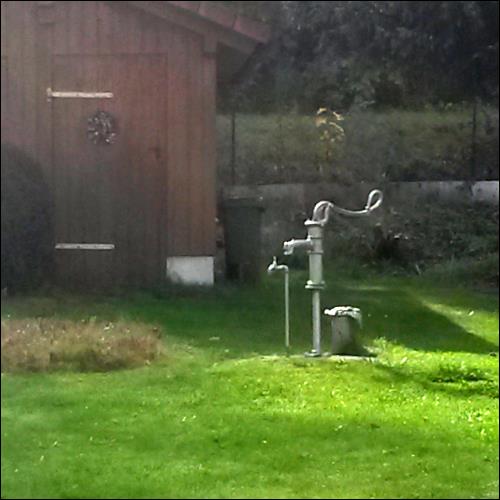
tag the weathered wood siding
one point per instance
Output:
(161, 172)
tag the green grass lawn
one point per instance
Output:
(227, 415)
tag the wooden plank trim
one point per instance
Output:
(85, 246)
(69, 94)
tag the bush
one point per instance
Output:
(27, 241)
(445, 238)
(438, 231)
(37, 345)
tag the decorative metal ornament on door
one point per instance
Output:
(101, 128)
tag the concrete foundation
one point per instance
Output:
(191, 270)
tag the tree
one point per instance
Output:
(386, 52)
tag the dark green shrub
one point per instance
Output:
(27, 240)
(448, 239)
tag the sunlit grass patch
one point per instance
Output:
(229, 415)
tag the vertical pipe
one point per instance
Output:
(316, 322)
(476, 70)
(287, 314)
(315, 282)
(233, 145)
(473, 168)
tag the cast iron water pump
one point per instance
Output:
(313, 245)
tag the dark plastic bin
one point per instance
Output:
(242, 234)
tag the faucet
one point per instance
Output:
(273, 266)
(290, 246)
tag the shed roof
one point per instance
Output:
(227, 19)
(225, 32)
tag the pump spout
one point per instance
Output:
(290, 246)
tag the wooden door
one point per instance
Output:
(110, 198)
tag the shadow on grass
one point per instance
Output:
(480, 300)
(453, 380)
(400, 316)
(248, 321)
(239, 321)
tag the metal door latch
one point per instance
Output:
(51, 94)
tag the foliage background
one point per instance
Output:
(384, 53)
(416, 81)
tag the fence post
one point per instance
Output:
(233, 145)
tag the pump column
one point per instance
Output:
(315, 282)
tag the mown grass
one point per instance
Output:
(227, 415)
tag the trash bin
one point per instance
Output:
(346, 322)
(242, 235)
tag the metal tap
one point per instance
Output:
(290, 246)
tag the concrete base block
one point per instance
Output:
(191, 270)
(344, 336)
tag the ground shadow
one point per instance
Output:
(241, 321)
(452, 380)
(401, 317)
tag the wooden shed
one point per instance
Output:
(117, 101)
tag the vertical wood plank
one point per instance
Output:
(5, 101)
(104, 28)
(15, 73)
(109, 165)
(61, 29)
(88, 28)
(157, 182)
(194, 176)
(29, 80)
(178, 153)
(209, 170)
(73, 27)
(3, 26)
(43, 125)
(4, 73)
(71, 224)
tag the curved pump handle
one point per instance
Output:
(372, 205)
(321, 212)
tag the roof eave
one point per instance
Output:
(211, 21)
(227, 19)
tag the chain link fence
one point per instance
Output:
(453, 142)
